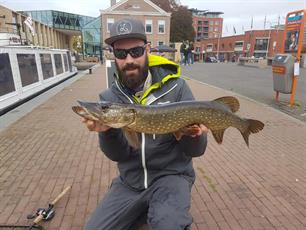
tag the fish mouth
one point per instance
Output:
(83, 112)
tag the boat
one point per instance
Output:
(27, 71)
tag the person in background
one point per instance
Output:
(182, 50)
(186, 53)
(191, 53)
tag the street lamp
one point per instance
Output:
(269, 38)
(218, 43)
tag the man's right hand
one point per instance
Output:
(95, 126)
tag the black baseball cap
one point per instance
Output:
(126, 28)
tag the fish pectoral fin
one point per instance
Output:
(132, 138)
(231, 102)
(178, 135)
(218, 135)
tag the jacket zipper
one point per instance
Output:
(143, 152)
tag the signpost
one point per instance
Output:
(293, 43)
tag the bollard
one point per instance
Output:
(90, 70)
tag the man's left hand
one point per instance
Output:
(191, 130)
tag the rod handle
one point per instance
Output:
(61, 195)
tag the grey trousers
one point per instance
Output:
(165, 204)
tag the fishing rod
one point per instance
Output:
(45, 214)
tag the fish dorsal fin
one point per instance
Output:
(230, 102)
(218, 135)
(131, 137)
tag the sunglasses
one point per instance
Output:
(135, 52)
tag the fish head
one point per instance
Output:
(108, 113)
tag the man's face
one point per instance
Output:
(132, 70)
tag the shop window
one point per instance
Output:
(261, 44)
(6, 75)
(27, 68)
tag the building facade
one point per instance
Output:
(155, 20)
(13, 31)
(206, 24)
(254, 43)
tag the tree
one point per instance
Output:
(181, 25)
(167, 5)
(77, 43)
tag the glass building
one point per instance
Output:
(91, 33)
(59, 20)
(74, 25)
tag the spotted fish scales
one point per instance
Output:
(217, 115)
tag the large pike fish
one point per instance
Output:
(217, 115)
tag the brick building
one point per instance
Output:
(155, 19)
(206, 24)
(257, 43)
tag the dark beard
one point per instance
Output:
(135, 81)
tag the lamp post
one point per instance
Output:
(269, 38)
(218, 43)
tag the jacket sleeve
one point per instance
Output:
(113, 143)
(191, 146)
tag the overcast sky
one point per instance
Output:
(237, 13)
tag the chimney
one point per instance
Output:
(113, 2)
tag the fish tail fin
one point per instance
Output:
(254, 126)
(231, 102)
(218, 135)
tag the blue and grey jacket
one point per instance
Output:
(159, 155)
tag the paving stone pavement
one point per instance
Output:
(260, 187)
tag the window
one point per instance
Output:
(216, 23)
(209, 46)
(6, 75)
(239, 44)
(110, 22)
(65, 62)
(261, 44)
(159, 43)
(46, 64)
(216, 29)
(58, 63)
(211, 23)
(27, 69)
(149, 26)
(161, 26)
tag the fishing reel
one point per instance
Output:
(47, 214)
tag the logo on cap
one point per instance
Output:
(124, 27)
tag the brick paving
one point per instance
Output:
(261, 187)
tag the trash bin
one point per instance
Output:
(282, 69)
